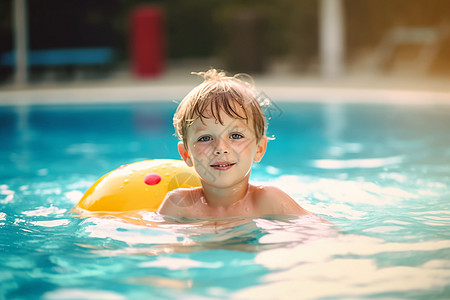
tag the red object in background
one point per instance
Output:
(148, 41)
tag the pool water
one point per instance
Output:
(379, 172)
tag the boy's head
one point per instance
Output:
(216, 95)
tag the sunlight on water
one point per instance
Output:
(52, 223)
(129, 233)
(348, 278)
(44, 211)
(6, 194)
(82, 294)
(356, 163)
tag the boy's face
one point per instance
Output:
(222, 154)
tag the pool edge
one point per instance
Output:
(119, 94)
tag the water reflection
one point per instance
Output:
(151, 234)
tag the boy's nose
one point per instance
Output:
(221, 147)
(218, 152)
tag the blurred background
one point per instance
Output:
(54, 41)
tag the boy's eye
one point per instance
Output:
(204, 139)
(236, 136)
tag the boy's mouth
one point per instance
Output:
(222, 165)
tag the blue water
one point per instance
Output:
(380, 173)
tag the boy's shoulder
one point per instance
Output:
(176, 201)
(263, 191)
(273, 200)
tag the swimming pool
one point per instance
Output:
(379, 172)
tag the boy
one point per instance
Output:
(222, 130)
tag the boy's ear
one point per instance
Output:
(184, 154)
(260, 149)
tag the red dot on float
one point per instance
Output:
(152, 178)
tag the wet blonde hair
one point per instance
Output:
(216, 94)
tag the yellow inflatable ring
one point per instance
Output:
(138, 186)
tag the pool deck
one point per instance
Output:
(176, 82)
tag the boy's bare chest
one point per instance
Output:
(204, 210)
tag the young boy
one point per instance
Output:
(222, 129)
